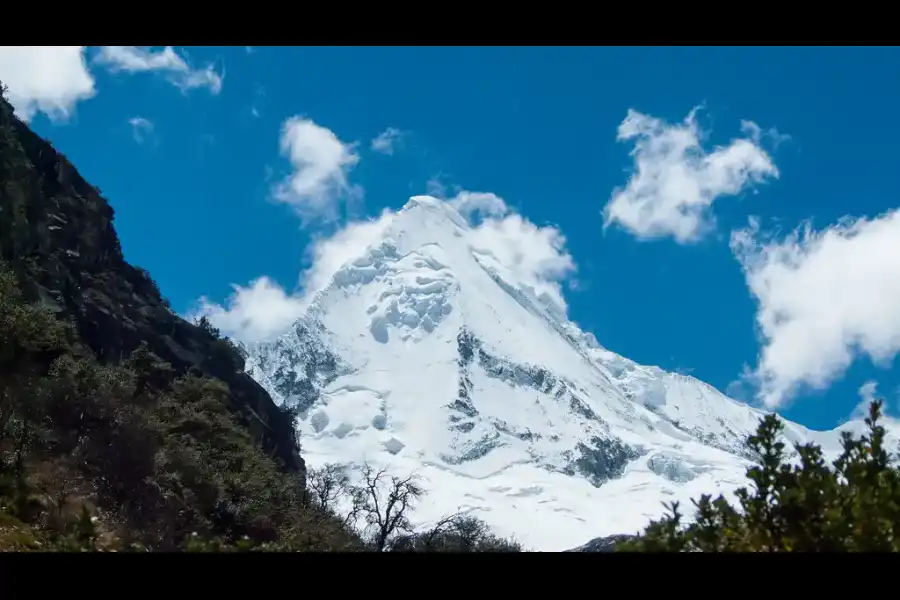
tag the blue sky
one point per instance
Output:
(185, 143)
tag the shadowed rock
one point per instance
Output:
(56, 231)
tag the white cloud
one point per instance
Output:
(868, 393)
(757, 134)
(535, 256)
(321, 163)
(436, 187)
(48, 79)
(386, 141)
(264, 309)
(256, 312)
(141, 129)
(866, 397)
(484, 203)
(132, 59)
(675, 181)
(825, 298)
(327, 254)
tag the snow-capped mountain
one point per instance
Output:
(425, 354)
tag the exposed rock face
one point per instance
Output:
(56, 230)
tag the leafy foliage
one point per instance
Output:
(223, 349)
(456, 533)
(207, 327)
(161, 458)
(852, 505)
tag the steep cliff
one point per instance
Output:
(56, 231)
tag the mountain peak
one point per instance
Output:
(425, 201)
(430, 212)
(426, 355)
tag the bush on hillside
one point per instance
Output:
(851, 505)
(148, 459)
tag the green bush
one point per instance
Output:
(851, 505)
(130, 456)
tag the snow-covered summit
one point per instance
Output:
(427, 354)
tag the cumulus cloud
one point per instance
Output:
(386, 141)
(535, 256)
(167, 62)
(824, 298)
(264, 309)
(321, 163)
(255, 312)
(485, 204)
(329, 253)
(141, 129)
(47, 79)
(675, 181)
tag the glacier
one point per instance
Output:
(427, 355)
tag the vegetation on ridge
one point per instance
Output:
(852, 505)
(130, 456)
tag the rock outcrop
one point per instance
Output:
(56, 231)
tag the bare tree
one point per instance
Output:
(474, 535)
(326, 485)
(427, 541)
(430, 538)
(385, 502)
(358, 501)
(455, 533)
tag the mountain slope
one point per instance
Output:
(122, 426)
(427, 355)
(57, 231)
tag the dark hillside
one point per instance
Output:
(122, 426)
(57, 232)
